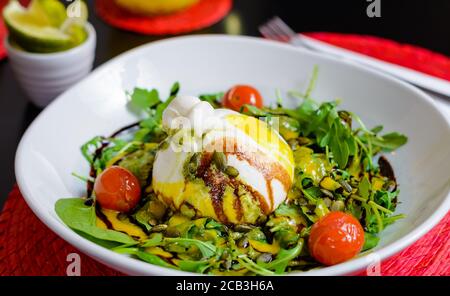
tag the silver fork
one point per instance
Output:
(277, 29)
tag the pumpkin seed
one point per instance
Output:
(327, 192)
(231, 171)
(243, 228)
(243, 243)
(345, 185)
(327, 202)
(187, 211)
(264, 258)
(337, 205)
(122, 216)
(159, 228)
(220, 160)
(164, 145)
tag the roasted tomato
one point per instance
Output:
(241, 95)
(335, 238)
(116, 188)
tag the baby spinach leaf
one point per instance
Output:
(144, 256)
(75, 214)
(103, 243)
(153, 259)
(193, 266)
(370, 241)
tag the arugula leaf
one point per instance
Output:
(364, 187)
(174, 89)
(144, 99)
(253, 267)
(143, 215)
(390, 142)
(338, 145)
(312, 82)
(206, 248)
(155, 240)
(213, 99)
(75, 214)
(283, 257)
(88, 149)
(253, 110)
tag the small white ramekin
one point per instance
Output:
(43, 76)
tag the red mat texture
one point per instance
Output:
(406, 55)
(201, 15)
(28, 247)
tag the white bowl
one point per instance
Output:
(49, 150)
(44, 76)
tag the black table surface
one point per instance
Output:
(424, 23)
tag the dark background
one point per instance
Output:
(424, 23)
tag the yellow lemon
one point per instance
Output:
(154, 7)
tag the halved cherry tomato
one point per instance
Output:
(240, 95)
(335, 238)
(116, 188)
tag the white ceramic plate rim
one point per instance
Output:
(133, 266)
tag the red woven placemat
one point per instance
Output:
(201, 15)
(3, 31)
(28, 247)
(406, 55)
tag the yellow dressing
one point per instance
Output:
(172, 191)
(265, 247)
(100, 224)
(159, 252)
(124, 226)
(197, 195)
(315, 167)
(228, 205)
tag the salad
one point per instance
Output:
(222, 184)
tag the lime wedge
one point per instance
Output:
(44, 27)
(52, 11)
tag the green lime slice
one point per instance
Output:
(32, 30)
(53, 11)
(44, 27)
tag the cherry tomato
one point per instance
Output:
(116, 188)
(240, 95)
(335, 238)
